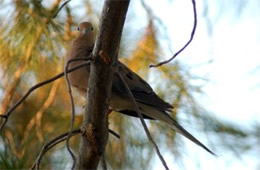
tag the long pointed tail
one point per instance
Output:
(165, 117)
(185, 133)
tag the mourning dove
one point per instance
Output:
(149, 103)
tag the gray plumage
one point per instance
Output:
(149, 103)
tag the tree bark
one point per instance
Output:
(95, 124)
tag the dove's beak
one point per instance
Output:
(85, 31)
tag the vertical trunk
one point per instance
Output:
(95, 124)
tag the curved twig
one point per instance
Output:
(72, 107)
(191, 38)
(9, 111)
(143, 122)
(56, 141)
(51, 144)
(56, 13)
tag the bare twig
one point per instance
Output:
(191, 38)
(114, 133)
(9, 111)
(143, 122)
(72, 107)
(56, 13)
(51, 144)
(3, 116)
(56, 141)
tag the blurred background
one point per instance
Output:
(213, 84)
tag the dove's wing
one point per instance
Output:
(151, 105)
(141, 90)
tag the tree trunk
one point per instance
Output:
(95, 124)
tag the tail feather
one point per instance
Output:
(185, 133)
(163, 116)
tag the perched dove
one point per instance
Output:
(151, 105)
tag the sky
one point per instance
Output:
(227, 54)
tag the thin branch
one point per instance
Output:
(191, 38)
(56, 141)
(56, 13)
(9, 111)
(72, 110)
(3, 116)
(143, 122)
(114, 133)
(105, 52)
(51, 144)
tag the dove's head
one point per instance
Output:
(86, 29)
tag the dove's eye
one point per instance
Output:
(92, 28)
(78, 29)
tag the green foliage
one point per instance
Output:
(8, 161)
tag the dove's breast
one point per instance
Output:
(79, 78)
